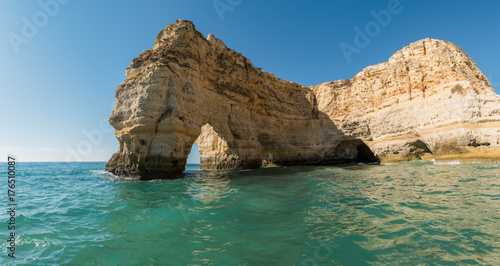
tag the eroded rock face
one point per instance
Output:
(428, 101)
(188, 86)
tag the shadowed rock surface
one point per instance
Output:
(429, 101)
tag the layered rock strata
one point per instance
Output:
(428, 101)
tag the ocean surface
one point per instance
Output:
(401, 214)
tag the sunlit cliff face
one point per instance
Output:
(429, 101)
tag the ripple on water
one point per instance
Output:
(409, 213)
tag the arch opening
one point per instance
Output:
(355, 150)
(213, 150)
(194, 156)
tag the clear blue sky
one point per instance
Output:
(60, 82)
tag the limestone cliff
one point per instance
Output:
(428, 101)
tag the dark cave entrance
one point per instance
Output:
(365, 155)
(418, 150)
(355, 150)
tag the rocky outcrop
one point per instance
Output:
(429, 101)
(189, 88)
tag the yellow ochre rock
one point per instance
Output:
(429, 101)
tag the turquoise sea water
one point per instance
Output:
(403, 214)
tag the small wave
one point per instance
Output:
(110, 176)
(99, 172)
(39, 243)
(420, 162)
(447, 162)
(457, 162)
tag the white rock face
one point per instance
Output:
(428, 101)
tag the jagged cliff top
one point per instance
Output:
(421, 67)
(426, 52)
(432, 55)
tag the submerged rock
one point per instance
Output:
(428, 101)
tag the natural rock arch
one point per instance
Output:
(430, 91)
(216, 152)
(165, 104)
